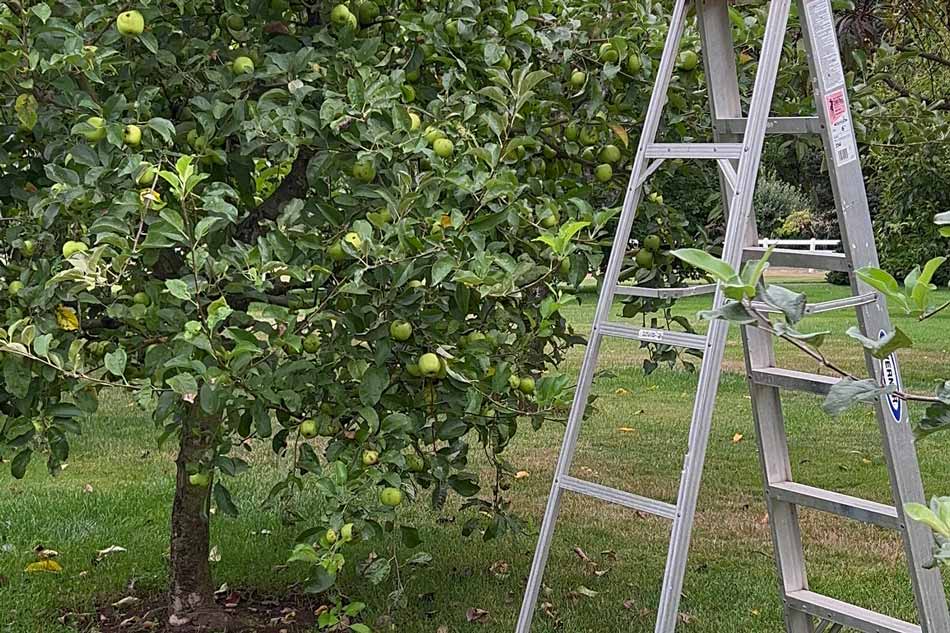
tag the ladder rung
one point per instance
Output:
(793, 258)
(699, 151)
(846, 614)
(666, 293)
(777, 125)
(618, 497)
(835, 503)
(794, 380)
(826, 306)
(663, 337)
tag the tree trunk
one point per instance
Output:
(191, 590)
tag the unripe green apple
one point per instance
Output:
(514, 381)
(242, 65)
(391, 497)
(346, 532)
(571, 132)
(147, 175)
(604, 172)
(608, 53)
(688, 61)
(140, 298)
(415, 121)
(652, 243)
(70, 248)
(98, 131)
(15, 287)
(199, 479)
(578, 78)
(311, 343)
(408, 93)
(644, 259)
(364, 171)
(331, 536)
(526, 385)
(634, 63)
(336, 252)
(429, 364)
(443, 147)
(340, 15)
(550, 221)
(368, 12)
(130, 23)
(610, 154)
(235, 22)
(413, 370)
(132, 135)
(415, 463)
(309, 429)
(565, 266)
(400, 330)
(370, 458)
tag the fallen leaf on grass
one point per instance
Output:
(582, 591)
(522, 474)
(622, 392)
(43, 553)
(500, 569)
(626, 429)
(475, 615)
(581, 554)
(109, 551)
(127, 601)
(737, 438)
(87, 489)
(685, 618)
(629, 604)
(214, 555)
(44, 566)
(442, 629)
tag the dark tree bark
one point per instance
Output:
(191, 589)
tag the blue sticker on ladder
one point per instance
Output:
(891, 376)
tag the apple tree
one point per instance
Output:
(341, 233)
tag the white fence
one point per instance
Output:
(811, 245)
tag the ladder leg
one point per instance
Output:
(723, 85)
(857, 236)
(739, 211)
(605, 301)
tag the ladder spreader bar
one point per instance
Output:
(618, 497)
(826, 306)
(835, 503)
(846, 614)
(776, 125)
(795, 380)
(792, 258)
(697, 151)
(666, 293)
(646, 335)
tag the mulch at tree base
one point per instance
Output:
(237, 612)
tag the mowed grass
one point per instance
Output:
(635, 441)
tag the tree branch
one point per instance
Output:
(294, 185)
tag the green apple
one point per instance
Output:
(526, 385)
(656, 198)
(346, 532)
(370, 458)
(242, 65)
(634, 63)
(610, 154)
(28, 248)
(589, 136)
(391, 497)
(413, 370)
(340, 15)
(571, 132)
(368, 12)
(199, 479)
(311, 343)
(353, 239)
(130, 23)
(400, 330)
(550, 221)
(514, 381)
(604, 172)
(578, 78)
(432, 134)
(141, 299)
(565, 266)
(644, 258)
(309, 429)
(146, 175)
(15, 287)
(415, 463)
(443, 147)
(331, 536)
(688, 61)
(98, 131)
(408, 93)
(336, 252)
(608, 53)
(70, 248)
(364, 171)
(429, 364)
(415, 121)
(235, 22)
(132, 135)
(652, 243)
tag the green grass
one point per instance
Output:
(730, 584)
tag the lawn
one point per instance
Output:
(117, 490)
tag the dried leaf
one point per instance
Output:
(109, 551)
(582, 555)
(621, 134)
(43, 553)
(737, 438)
(475, 615)
(522, 474)
(622, 392)
(214, 555)
(87, 489)
(125, 602)
(500, 569)
(626, 429)
(66, 319)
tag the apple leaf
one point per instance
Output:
(885, 346)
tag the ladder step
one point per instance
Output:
(835, 503)
(793, 258)
(618, 497)
(794, 380)
(846, 614)
(826, 306)
(663, 337)
(777, 125)
(698, 151)
(666, 293)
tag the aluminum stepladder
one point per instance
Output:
(737, 148)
